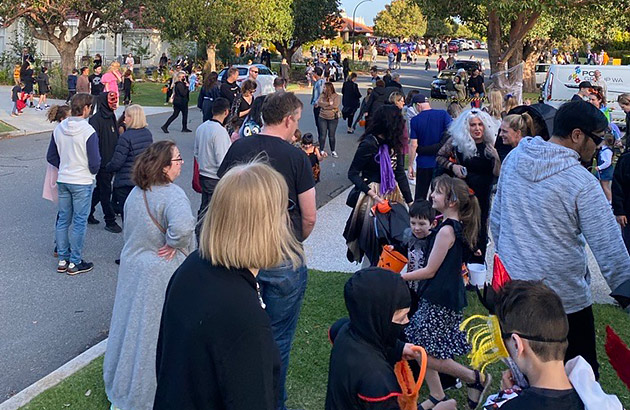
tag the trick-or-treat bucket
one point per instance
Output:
(477, 274)
(362, 123)
(391, 259)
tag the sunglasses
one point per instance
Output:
(255, 72)
(596, 138)
(178, 159)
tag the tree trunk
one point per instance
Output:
(531, 52)
(286, 51)
(67, 51)
(494, 43)
(211, 62)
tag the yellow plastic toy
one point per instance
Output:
(484, 335)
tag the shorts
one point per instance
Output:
(605, 175)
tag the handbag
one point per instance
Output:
(155, 221)
(196, 181)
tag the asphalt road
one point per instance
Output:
(48, 318)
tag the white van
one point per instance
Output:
(562, 83)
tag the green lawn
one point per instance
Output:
(307, 378)
(150, 94)
(4, 127)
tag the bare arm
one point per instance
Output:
(443, 242)
(413, 147)
(308, 210)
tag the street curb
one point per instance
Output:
(54, 378)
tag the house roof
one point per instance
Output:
(346, 26)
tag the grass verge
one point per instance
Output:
(150, 94)
(306, 384)
(4, 127)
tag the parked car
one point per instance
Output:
(381, 49)
(477, 44)
(541, 73)
(470, 44)
(265, 76)
(468, 65)
(463, 44)
(453, 47)
(438, 86)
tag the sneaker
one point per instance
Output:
(38, 108)
(14, 115)
(186, 130)
(334, 154)
(62, 266)
(93, 221)
(46, 106)
(82, 267)
(113, 228)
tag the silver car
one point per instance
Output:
(265, 76)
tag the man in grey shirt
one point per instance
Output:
(211, 144)
(548, 207)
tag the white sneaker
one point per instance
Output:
(334, 154)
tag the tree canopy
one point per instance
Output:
(401, 18)
(64, 23)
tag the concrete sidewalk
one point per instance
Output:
(33, 121)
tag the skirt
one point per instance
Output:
(359, 231)
(436, 328)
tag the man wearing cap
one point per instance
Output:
(548, 207)
(585, 89)
(426, 138)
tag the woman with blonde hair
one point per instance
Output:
(470, 155)
(510, 103)
(495, 106)
(112, 78)
(214, 314)
(159, 234)
(329, 113)
(515, 127)
(130, 145)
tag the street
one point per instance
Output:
(48, 318)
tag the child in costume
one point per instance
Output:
(366, 346)
(313, 153)
(435, 325)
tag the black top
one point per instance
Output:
(97, 86)
(181, 94)
(26, 76)
(130, 144)
(446, 288)
(364, 169)
(127, 84)
(15, 92)
(290, 161)
(104, 123)
(621, 186)
(577, 97)
(215, 348)
(351, 95)
(476, 83)
(244, 106)
(365, 348)
(377, 99)
(230, 91)
(480, 175)
(535, 398)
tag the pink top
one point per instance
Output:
(110, 81)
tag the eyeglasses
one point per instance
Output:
(178, 159)
(596, 138)
(254, 72)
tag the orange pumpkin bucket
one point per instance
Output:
(362, 123)
(391, 259)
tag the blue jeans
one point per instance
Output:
(14, 110)
(74, 208)
(282, 290)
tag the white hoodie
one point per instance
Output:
(76, 160)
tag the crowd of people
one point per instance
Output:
(199, 296)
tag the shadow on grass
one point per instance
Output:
(308, 372)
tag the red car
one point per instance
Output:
(453, 47)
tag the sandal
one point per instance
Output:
(434, 401)
(480, 387)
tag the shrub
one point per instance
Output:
(58, 83)
(6, 76)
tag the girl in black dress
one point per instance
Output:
(313, 153)
(435, 325)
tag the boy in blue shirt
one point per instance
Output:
(72, 84)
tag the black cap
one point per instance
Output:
(578, 114)
(585, 84)
(419, 99)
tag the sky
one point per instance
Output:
(367, 10)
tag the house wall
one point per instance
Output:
(109, 45)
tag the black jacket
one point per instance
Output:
(378, 98)
(351, 99)
(364, 169)
(366, 347)
(215, 348)
(130, 144)
(181, 94)
(104, 123)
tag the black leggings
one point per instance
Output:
(349, 116)
(582, 338)
(177, 108)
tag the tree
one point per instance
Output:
(63, 23)
(304, 21)
(440, 27)
(401, 19)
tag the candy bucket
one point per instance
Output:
(477, 274)
(391, 259)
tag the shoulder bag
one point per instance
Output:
(155, 221)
